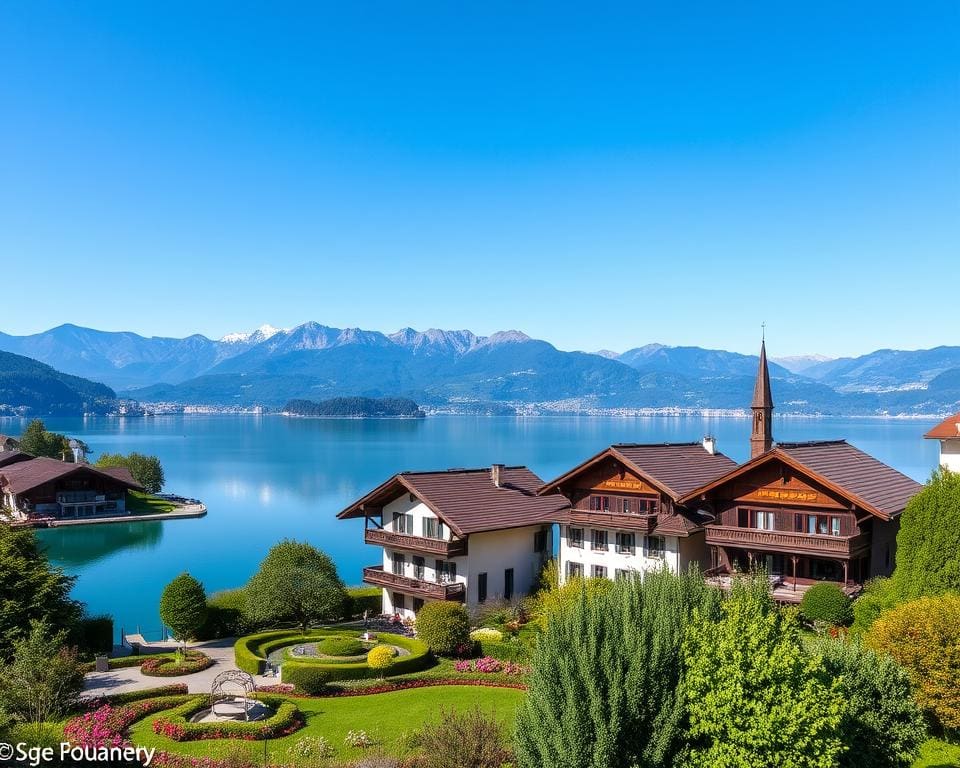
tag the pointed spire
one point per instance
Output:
(762, 397)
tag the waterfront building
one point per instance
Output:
(625, 514)
(36, 488)
(467, 535)
(8, 444)
(947, 432)
(806, 512)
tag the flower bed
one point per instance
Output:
(192, 661)
(117, 699)
(488, 665)
(106, 725)
(387, 687)
(176, 725)
(124, 662)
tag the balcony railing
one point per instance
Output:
(613, 520)
(442, 547)
(787, 541)
(375, 575)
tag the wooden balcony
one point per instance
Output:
(611, 520)
(375, 575)
(842, 547)
(440, 547)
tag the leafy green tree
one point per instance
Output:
(146, 470)
(827, 603)
(607, 679)
(44, 679)
(882, 725)
(296, 583)
(37, 441)
(878, 595)
(183, 607)
(30, 589)
(928, 544)
(755, 698)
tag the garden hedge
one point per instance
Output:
(192, 661)
(176, 725)
(362, 599)
(127, 697)
(444, 626)
(826, 602)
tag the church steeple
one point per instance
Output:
(761, 438)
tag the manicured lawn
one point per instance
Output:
(387, 717)
(147, 504)
(938, 754)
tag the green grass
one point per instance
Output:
(387, 717)
(147, 504)
(938, 754)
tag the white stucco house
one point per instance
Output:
(624, 516)
(947, 432)
(467, 535)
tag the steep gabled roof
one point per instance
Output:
(674, 468)
(467, 499)
(844, 469)
(27, 475)
(947, 429)
(13, 457)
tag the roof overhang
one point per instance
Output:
(388, 491)
(608, 453)
(775, 454)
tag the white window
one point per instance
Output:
(432, 528)
(655, 546)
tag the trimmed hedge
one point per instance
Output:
(193, 661)
(124, 662)
(826, 602)
(341, 646)
(418, 658)
(175, 724)
(362, 599)
(127, 697)
(516, 651)
(92, 634)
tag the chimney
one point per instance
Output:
(710, 444)
(495, 472)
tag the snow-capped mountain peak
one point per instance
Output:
(262, 333)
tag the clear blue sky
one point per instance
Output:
(599, 175)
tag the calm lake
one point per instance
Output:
(267, 478)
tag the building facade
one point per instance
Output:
(462, 535)
(947, 433)
(624, 515)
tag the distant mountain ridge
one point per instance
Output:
(28, 387)
(443, 368)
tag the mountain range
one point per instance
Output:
(27, 386)
(459, 369)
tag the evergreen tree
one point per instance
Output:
(296, 583)
(37, 441)
(183, 606)
(755, 699)
(30, 588)
(605, 691)
(928, 544)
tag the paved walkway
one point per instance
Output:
(132, 679)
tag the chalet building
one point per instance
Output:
(48, 488)
(947, 432)
(625, 514)
(806, 512)
(8, 444)
(467, 535)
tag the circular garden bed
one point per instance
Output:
(174, 666)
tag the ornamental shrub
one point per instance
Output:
(443, 626)
(380, 658)
(923, 636)
(340, 646)
(470, 739)
(879, 595)
(828, 603)
(755, 698)
(183, 606)
(882, 725)
(311, 679)
(487, 634)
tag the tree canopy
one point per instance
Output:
(37, 441)
(928, 544)
(183, 606)
(146, 470)
(296, 583)
(30, 588)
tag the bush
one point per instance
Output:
(128, 697)
(380, 658)
(878, 596)
(92, 635)
(923, 636)
(341, 646)
(826, 602)
(470, 739)
(362, 599)
(444, 626)
(882, 725)
(183, 606)
(309, 679)
(226, 616)
(487, 634)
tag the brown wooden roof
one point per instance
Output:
(856, 476)
(13, 457)
(467, 500)
(674, 468)
(27, 475)
(946, 429)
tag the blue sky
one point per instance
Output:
(599, 175)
